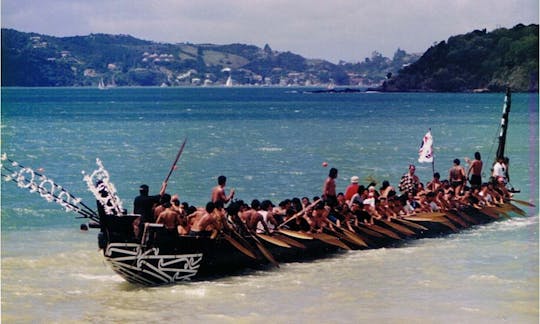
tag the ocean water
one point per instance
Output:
(270, 143)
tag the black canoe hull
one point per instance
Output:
(168, 258)
(185, 258)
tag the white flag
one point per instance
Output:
(425, 153)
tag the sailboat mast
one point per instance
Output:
(504, 124)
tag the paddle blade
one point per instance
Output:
(332, 240)
(290, 241)
(402, 229)
(515, 209)
(239, 246)
(273, 240)
(353, 237)
(523, 202)
(300, 235)
(266, 253)
(363, 229)
(385, 231)
(410, 224)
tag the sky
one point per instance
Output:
(334, 30)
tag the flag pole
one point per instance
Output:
(433, 161)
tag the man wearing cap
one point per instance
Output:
(352, 188)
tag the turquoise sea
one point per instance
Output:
(270, 143)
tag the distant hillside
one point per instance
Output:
(30, 59)
(477, 61)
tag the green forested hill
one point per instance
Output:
(30, 59)
(478, 60)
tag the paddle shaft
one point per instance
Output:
(264, 251)
(238, 246)
(299, 213)
(175, 161)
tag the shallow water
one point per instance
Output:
(270, 143)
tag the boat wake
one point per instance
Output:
(100, 278)
(509, 225)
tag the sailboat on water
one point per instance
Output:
(229, 82)
(101, 85)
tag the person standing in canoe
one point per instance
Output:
(329, 188)
(409, 181)
(352, 188)
(143, 205)
(500, 176)
(474, 174)
(218, 192)
(457, 177)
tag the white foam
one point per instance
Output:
(488, 278)
(270, 149)
(101, 278)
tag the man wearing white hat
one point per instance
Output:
(352, 188)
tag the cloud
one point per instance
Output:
(333, 30)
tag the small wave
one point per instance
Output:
(29, 211)
(195, 292)
(512, 224)
(296, 173)
(488, 278)
(101, 278)
(270, 149)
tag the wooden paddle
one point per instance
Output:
(385, 231)
(502, 211)
(515, 209)
(410, 224)
(295, 234)
(466, 217)
(265, 252)
(361, 227)
(436, 219)
(332, 240)
(430, 214)
(273, 240)
(299, 213)
(174, 164)
(290, 241)
(401, 229)
(489, 211)
(260, 246)
(238, 246)
(457, 220)
(449, 224)
(365, 237)
(242, 239)
(523, 202)
(348, 236)
(356, 236)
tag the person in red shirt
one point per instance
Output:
(352, 188)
